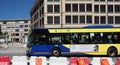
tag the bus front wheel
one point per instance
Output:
(112, 52)
(56, 52)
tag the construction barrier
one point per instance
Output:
(58, 61)
(4, 60)
(104, 62)
(38, 61)
(73, 61)
(96, 61)
(19, 60)
(117, 62)
(33, 60)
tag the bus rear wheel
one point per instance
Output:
(112, 52)
(56, 52)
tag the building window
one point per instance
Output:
(56, 0)
(68, 7)
(42, 10)
(102, 0)
(17, 22)
(117, 8)
(50, 19)
(96, 8)
(17, 34)
(25, 30)
(50, 0)
(21, 26)
(26, 34)
(57, 19)
(110, 19)
(110, 8)
(103, 20)
(89, 19)
(68, 19)
(75, 19)
(82, 19)
(96, 0)
(102, 8)
(56, 8)
(96, 19)
(4, 22)
(75, 7)
(25, 21)
(109, 0)
(82, 7)
(117, 0)
(117, 19)
(16, 30)
(89, 8)
(49, 8)
(26, 25)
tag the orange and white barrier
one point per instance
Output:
(33, 60)
(58, 61)
(38, 61)
(4, 60)
(19, 60)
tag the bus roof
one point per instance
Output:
(77, 30)
(99, 26)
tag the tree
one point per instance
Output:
(6, 36)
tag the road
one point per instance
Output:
(14, 49)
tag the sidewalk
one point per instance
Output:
(4, 46)
(12, 48)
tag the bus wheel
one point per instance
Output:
(112, 52)
(56, 52)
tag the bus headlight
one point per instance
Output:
(28, 49)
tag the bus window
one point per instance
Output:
(116, 37)
(55, 38)
(96, 37)
(84, 37)
(66, 38)
(74, 38)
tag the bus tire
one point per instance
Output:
(56, 52)
(112, 52)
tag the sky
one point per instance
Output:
(15, 9)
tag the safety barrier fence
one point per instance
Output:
(33, 60)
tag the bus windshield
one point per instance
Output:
(38, 37)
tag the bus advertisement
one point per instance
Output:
(74, 41)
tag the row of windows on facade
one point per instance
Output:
(41, 12)
(21, 26)
(17, 34)
(83, 8)
(25, 30)
(75, 19)
(16, 22)
(39, 24)
(88, 8)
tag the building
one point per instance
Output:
(74, 13)
(16, 28)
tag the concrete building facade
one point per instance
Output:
(74, 13)
(16, 28)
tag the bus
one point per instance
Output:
(74, 41)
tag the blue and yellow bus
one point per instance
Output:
(76, 41)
